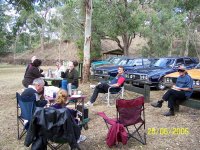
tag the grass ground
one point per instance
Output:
(10, 82)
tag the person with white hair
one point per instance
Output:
(33, 91)
(179, 92)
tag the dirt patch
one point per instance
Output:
(10, 79)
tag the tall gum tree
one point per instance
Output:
(87, 41)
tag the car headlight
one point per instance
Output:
(197, 82)
(126, 75)
(131, 76)
(143, 77)
(105, 72)
(169, 80)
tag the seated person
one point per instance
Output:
(71, 74)
(61, 99)
(32, 73)
(32, 92)
(59, 69)
(103, 87)
(179, 92)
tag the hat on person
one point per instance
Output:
(182, 68)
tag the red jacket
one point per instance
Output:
(117, 133)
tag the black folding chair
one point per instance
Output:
(129, 113)
(25, 110)
(55, 127)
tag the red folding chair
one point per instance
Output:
(129, 113)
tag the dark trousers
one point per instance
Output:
(101, 88)
(173, 96)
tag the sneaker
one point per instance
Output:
(81, 138)
(157, 104)
(169, 113)
(88, 104)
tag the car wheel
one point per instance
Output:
(161, 85)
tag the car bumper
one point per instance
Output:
(142, 82)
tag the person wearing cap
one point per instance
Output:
(179, 92)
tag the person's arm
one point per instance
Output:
(36, 73)
(119, 82)
(181, 89)
(189, 86)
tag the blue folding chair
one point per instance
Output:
(26, 107)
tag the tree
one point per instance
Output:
(87, 41)
(118, 20)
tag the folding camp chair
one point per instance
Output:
(114, 93)
(55, 127)
(26, 107)
(129, 113)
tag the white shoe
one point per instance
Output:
(81, 138)
(88, 104)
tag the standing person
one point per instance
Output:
(32, 92)
(118, 81)
(179, 92)
(30, 64)
(71, 74)
(32, 73)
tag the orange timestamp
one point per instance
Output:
(168, 131)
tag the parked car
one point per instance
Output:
(170, 79)
(127, 63)
(154, 75)
(108, 61)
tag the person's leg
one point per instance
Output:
(175, 95)
(165, 97)
(101, 88)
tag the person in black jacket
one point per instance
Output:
(52, 124)
(32, 73)
(71, 74)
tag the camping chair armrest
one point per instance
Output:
(113, 88)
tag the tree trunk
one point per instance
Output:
(42, 39)
(87, 43)
(127, 39)
(171, 47)
(187, 44)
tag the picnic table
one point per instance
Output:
(53, 81)
(78, 101)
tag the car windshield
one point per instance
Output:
(109, 59)
(115, 61)
(164, 62)
(131, 62)
(122, 62)
(198, 66)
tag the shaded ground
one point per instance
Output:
(10, 79)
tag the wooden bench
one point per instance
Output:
(140, 90)
(191, 102)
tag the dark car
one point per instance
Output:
(154, 74)
(127, 63)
